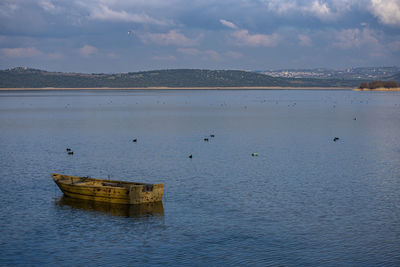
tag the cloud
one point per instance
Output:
(52, 29)
(228, 24)
(55, 56)
(87, 51)
(8, 8)
(387, 11)
(189, 51)
(355, 38)
(304, 40)
(212, 54)
(320, 10)
(103, 12)
(113, 56)
(204, 54)
(394, 46)
(234, 55)
(282, 7)
(21, 52)
(48, 6)
(29, 52)
(164, 58)
(173, 37)
(243, 38)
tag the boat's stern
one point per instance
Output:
(146, 193)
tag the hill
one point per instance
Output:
(359, 73)
(395, 77)
(33, 78)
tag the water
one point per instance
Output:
(305, 200)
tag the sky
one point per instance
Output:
(110, 36)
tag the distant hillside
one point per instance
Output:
(395, 77)
(360, 73)
(33, 78)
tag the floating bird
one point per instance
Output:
(355, 119)
(68, 149)
(335, 139)
(134, 140)
(254, 154)
(206, 139)
(70, 152)
(190, 156)
(211, 135)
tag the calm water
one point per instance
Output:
(305, 200)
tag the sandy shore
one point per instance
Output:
(182, 88)
(380, 89)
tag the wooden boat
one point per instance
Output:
(108, 190)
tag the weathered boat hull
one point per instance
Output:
(108, 190)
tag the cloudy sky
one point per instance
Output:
(132, 35)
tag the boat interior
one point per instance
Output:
(87, 181)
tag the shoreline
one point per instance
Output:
(179, 88)
(397, 89)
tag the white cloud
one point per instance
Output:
(21, 52)
(244, 38)
(103, 12)
(173, 37)
(87, 51)
(228, 24)
(48, 6)
(387, 11)
(320, 10)
(282, 7)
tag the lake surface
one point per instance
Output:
(304, 201)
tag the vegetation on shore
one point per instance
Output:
(379, 84)
(180, 78)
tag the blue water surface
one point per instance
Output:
(304, 201)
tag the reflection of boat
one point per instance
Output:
(124, 210)
(108, 190)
